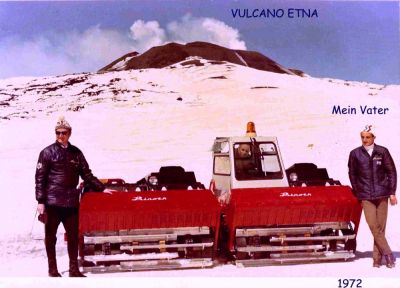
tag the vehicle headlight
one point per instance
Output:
(293, 177)
(153, 180)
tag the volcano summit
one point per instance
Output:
(171, 53)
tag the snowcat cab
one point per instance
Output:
(163, 221)
(272, 215)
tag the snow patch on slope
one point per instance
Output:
(241, 59)
(121, 65)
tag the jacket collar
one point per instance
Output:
(62, 146)
(374, 151)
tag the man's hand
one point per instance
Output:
(40, 209)
(393, 200)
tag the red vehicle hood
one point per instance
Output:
(292, 206)
(149, 209)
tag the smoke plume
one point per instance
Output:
(88, 51)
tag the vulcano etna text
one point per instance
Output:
(274, 13)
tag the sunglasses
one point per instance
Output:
(61, 133)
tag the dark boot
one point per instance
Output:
(74, 269)
(390, 261)
(50, 243)
(54, 274)
(53, 270)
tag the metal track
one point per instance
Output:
(311, 257)
(315, 228)
(145, 235)
(312, 238)
(165, 246)
(152, 265)
(128, 257)
(266, 248)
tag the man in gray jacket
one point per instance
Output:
(373, 177)
(57, 175)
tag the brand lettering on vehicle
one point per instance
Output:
(140, 198)
(287, 194)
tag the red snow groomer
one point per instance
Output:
(275, 216)
(164, 221)
(255, 213)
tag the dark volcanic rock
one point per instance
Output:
(171, 53)
(195, 62)
(109, 66)
(297, 72)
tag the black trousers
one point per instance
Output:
(70, 219)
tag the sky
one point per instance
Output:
(349, 40)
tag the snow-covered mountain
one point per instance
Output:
(171, 53)
(129, 122)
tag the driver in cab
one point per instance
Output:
(243, 161)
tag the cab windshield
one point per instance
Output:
(257, 161)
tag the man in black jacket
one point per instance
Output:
(57, 176)
(373, 177)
